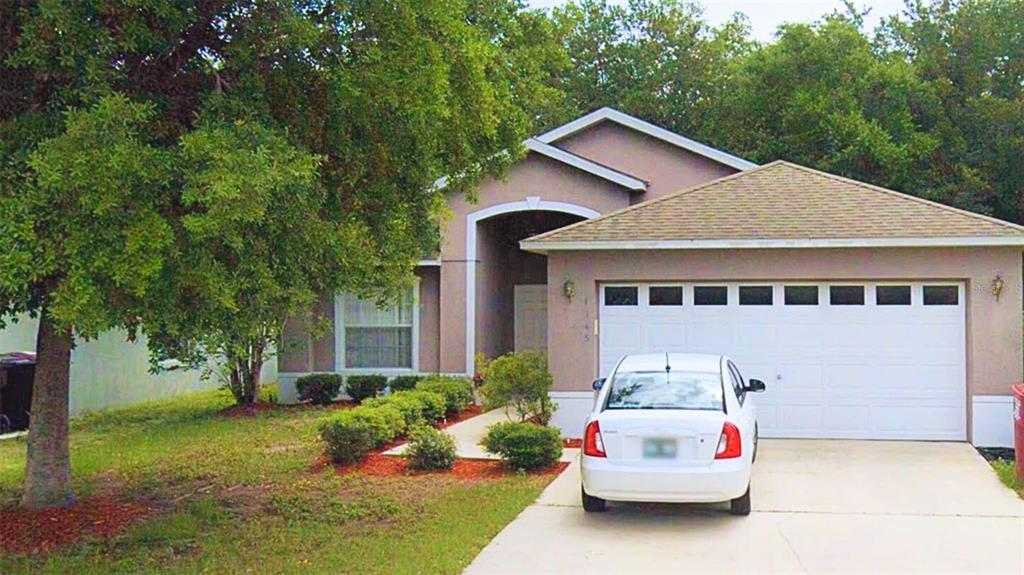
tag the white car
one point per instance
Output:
(671, 428)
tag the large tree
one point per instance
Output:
(200, 170)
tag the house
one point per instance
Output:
(868, 313)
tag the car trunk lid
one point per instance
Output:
(656, 437)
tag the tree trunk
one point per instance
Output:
(48, 469)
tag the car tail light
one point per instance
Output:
(729, 446)
(593, 445)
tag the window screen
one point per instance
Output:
(941, 295)
(378, 337)
(755, 295)
(801, 295)
(620, 295)
(892, 295)
(710, 295)
(666, 295)
(846, 295)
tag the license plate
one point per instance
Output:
(660, 448)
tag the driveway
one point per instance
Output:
(819, 507)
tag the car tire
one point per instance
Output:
(741, 505)
(592, 504)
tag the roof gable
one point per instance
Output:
(613, 115)
(781, 205)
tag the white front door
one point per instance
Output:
(531, 317)
(845, 360)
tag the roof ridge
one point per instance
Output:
(903, 196)
(653, 201)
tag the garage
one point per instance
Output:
(862, 360)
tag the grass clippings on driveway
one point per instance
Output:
(237, 494)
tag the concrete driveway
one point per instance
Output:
(819, 507)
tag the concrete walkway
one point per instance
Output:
(819, 507)
(468, 434)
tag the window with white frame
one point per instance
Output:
(377, 337)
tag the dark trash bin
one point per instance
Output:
(17, 370)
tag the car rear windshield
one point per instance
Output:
(666, 390)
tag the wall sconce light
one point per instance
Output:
(569, 289)
(997, 286)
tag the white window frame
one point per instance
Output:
(339, 339)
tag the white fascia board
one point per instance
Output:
(546, 246)
(646, 128)
(586, 165)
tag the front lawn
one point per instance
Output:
(243, 494)
(1007, 472)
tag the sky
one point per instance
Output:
(766, 15)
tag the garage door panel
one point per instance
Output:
(859, 371)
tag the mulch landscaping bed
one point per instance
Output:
(996, 453)
(380, 465)
(28, 531)
(472, 410)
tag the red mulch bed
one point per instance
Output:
(380, 465)
(25, 531)
(471, 410)
(572, 443)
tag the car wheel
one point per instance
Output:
(591, 504)
(741, 505)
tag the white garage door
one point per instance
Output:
(852, 360)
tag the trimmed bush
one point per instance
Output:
(404, 382)
(416, 407)
(523, 445)
(350, 434)
(393, 418)
(430, 448)
(520, 381)
(319, 388)
(432, 405)
(457, 391)
(360, 387)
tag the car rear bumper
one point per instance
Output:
(721, 481)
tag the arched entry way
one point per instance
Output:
(506, 291)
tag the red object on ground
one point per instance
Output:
(24, 531)
(572, 443)
(1018, 428)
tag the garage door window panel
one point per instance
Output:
(621, 295)
(801, 295)
(892, 295)
(756, 295)
(666, 295)
(846, 295)
(941, 295)
(710, 295)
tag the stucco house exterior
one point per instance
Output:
(868, 313)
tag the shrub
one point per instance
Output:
(457, 391)
(414, 408)
(319, 388)
(360, 387)
(393, 418)
(520, 381)
(404, 382)
(348, 435)
(430, 448)
(523, 445)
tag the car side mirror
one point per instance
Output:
(755, 385)
(599, 383)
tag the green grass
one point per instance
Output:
(237, 495)
(1007, 472)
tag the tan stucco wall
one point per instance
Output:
(994, 341)
(666, 168)
(534, 176)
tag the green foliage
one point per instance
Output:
(360, 387)
(457, 391)
(431, 449)
(523, 445)
(416, 407)
(392, 417)
(349, 435)
(519, 381)
(404, 382)
(319, 388)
